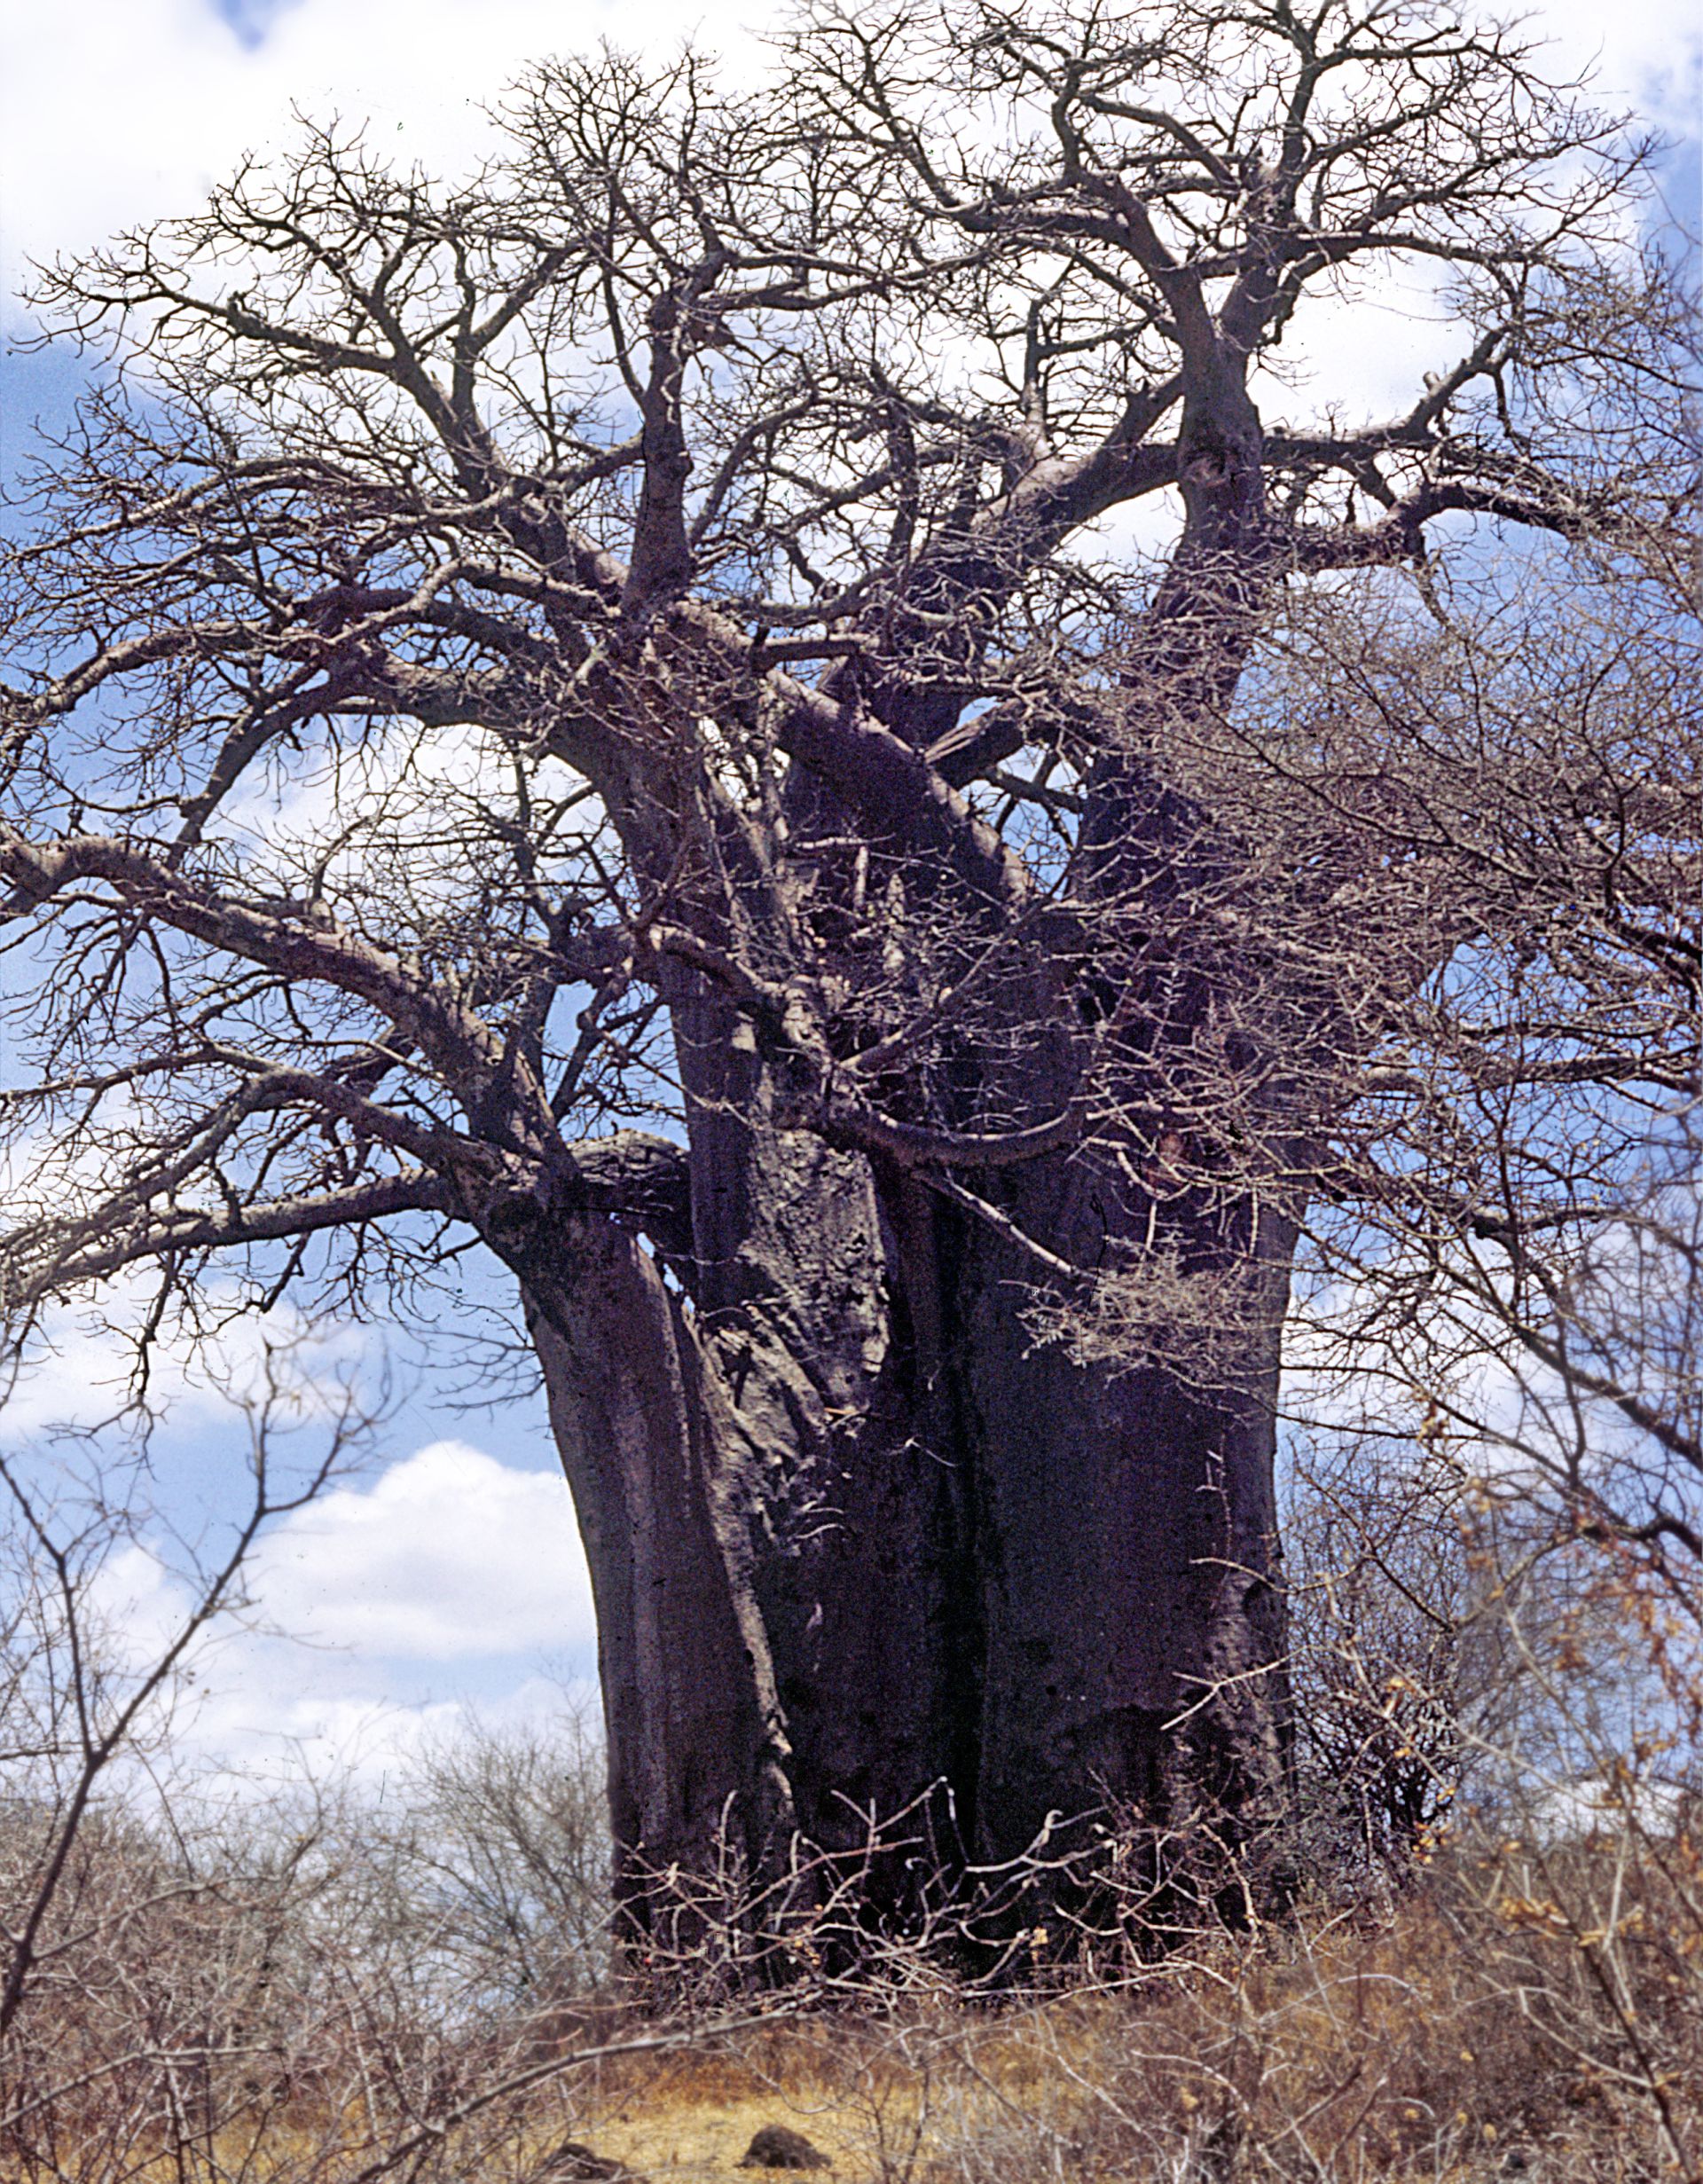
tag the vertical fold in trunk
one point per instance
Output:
(801, 1299)
(1052, 1587)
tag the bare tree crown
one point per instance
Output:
(498, 666)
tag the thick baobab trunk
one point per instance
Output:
(859, 1535)
(856, 1536)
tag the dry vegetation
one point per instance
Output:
(1490, 1959)
(1478, 2026)
(1466, 2028)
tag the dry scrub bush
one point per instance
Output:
(1491, 1960)
(202, 1978)
(1511, 1999)
(1425, 2045)
(1472, 2026)
(288, 1989)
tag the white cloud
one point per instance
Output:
(116, 111)
(448, 1555)
(376, 1615)
(138, 1607)
(1607, 1806)
(274, 1726)
(1367, 351)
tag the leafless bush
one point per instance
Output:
(504, 1854)
(208, 1980)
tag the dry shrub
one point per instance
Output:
(1518, 2004)
(1472, 2030)
(294, 1992)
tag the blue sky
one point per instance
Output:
(450, 1571)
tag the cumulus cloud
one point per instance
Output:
(137, 1607)
(268, 1727)
(374, 1615)
(385, 1607)
(446, 1555)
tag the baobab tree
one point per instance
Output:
(780, 709)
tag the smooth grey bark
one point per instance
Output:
(1126, 1544)
(693, 1720)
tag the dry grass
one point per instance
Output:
(1461, 2036)
(1519, 2014)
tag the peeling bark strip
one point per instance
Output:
(887, 981)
